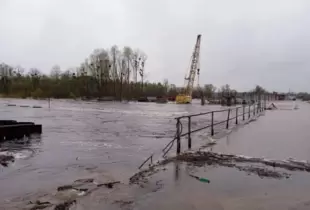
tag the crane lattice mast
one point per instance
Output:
(194, 67)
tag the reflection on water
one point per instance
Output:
(176, 170)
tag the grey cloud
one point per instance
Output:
(244, 42)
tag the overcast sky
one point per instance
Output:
(244, 42)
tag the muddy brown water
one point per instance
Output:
(281, 134)
(229, 189)
(84, 138)
(81, 139)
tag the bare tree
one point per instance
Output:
(127, 53)
(35, 75)
(6, 70)
(209, 90)
(34, 72)
(55, 72)
(18, 71)
(142, 68)
(115, 54)
(166, 85)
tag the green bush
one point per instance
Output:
(38, 93)
(71, 95)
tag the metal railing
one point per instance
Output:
(238, 113)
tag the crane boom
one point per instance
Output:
(194, 67)
(186, 97)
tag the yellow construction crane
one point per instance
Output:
(186, 96)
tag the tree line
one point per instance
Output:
(104, 73)
(114, 73)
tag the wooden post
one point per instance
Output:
(249, 111)
(243, 109)
(212, 119)
(189, 133)
(237, 115)
(178, 137)
(227, 123)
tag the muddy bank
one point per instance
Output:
(217, 158)
(251, 165)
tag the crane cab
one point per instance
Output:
(183, 99)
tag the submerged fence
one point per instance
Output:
(217, 118)
(233, 115)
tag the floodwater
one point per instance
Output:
(85, 138)
(278, 134)
(81, 139)
(229, 189)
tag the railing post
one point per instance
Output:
(178, 137)
(212, 122)
(249, 111)
(254, 109)
(243, 109)
(258, 107)
(189, 133)
(237, 115)
(227, 123)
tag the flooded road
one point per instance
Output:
(84, 138)
(281, 134)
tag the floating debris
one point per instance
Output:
(263, 172)
(200, 179)
(289, 164)
(82, 181)
(65, 206)
(109, 184)
(64, 187)
(40, 205)
(6, 159)
(123, 203)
